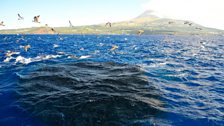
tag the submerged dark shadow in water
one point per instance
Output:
(88, 93)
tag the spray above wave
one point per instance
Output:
(88, 93)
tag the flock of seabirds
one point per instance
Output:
(36, 20)
(9, 54)
(108, 24)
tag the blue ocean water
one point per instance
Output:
(69, 80)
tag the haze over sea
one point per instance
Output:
(112, 80)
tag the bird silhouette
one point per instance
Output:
(140, 32)
(70, 24)
(2, 24)
(171, 22)
(26, 47)
(198, 28)
(190, 24)
(20, 17)
(186, 22)
(53, 30)
(108, 24)
(36, 19)
(114, 47)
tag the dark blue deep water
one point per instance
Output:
(94, 80)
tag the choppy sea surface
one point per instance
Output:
(94, 80)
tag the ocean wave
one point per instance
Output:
(88, 93)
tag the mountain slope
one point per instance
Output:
(146, 21)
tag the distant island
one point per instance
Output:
(146, 22)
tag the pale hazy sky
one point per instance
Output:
(209, 13)
(85, 12)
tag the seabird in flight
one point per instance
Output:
(52, 29)
(170, 22)
(198, 28)
(190, 24)
(20, 17)
(140, 32)
(2, 24)
(108, 24)
(186, 22)
(114, 47)
(36, 19)
(26, 47)
(70, 24)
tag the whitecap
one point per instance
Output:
(72, 57)
(100, 44)
(62, 53)
(8, 59)
(45, 57)
(55, 46)
(23, 60)
(51, 57)
(84, 57)
(154, 65)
